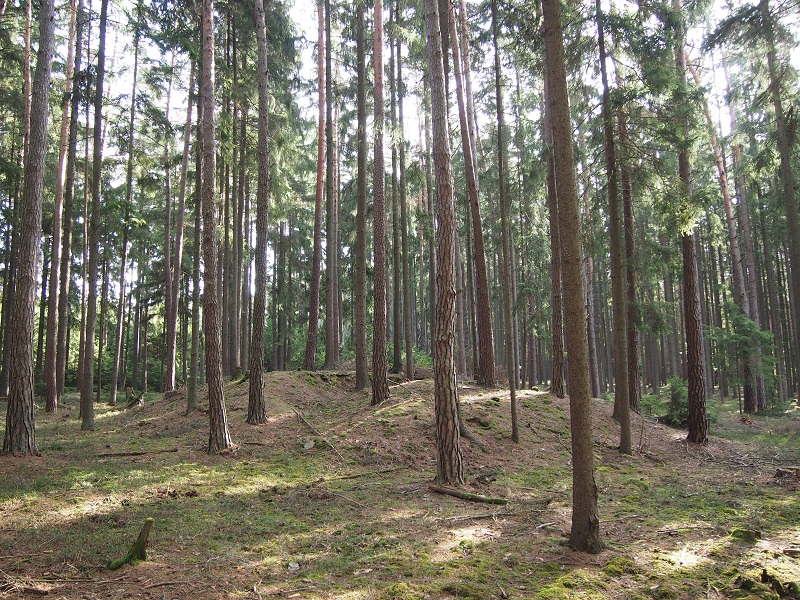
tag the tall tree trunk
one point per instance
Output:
(634, 368)
(380, 360)
(585, 533)
(695, 360)
(128, 199)
(741, 297)
(50, 368)
(313, 313)
(194, 358)
(170, 309)
(621, 398)
(331, 298)
(102, 332)
(65, 275)
(20, 435)
(750, 261)
(87, 407)
(219, 438)
(486, 359)
(787, 175)
(397, 298)
(361, 208)
(407, 303)
(557, 374)
(256, 408)
(449, 463)
(511, 363)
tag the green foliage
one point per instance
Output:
(678, 405)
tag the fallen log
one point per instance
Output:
(440, 489)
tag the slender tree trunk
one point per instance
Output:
(191, 388)
(102, 336)
(787, 174)
(316, 261)
(750, 261)
(256, 409)
(511, 365)
(557, 376)
(66, 242)
(449, 463)
(87, 407)
(361, 208)
(407, 303)
(486, 359)
(396, 299)
(331, 324)
(20, 435)
(380, 360)
(634, 368)
(219, 439)
(695, 360)
(741, 297)
(170, 310)
(128, 199)
(585, 533)
(621, 397)
(594, 370)
(50, 368)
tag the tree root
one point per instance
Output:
(138, 549)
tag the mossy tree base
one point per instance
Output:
(138, 549)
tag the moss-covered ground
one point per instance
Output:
(344, 510)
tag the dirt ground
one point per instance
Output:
(331, 499)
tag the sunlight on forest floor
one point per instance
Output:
(344, 510)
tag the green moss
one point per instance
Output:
(620, 565)
(401, 591)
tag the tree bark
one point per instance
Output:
(634, 368)
(194, 357)
(20, 435)
(787, 174)
(50, 372)
(361, 208)
(219, 438)
(256, 411)
(695, 359)
(87, 406)
(449, 464)
(585, 532)
(380, 360)
(407, 303)
(511, 364)
(557, 375)
(331, 276)
(313, 313)
(484, 372)
(741, 297)
(621, 391)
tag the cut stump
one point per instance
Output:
(138, 549)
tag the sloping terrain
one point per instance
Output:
(330, 499)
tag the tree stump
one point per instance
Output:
(138, 549)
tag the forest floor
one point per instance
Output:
(338, 505)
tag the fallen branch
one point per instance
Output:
(365, 473)
(440, 489)
(139, 453)
(343, 497)
(543, 526)
(316, 431)
(163, 583)
(491, 515)
(138, 549)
